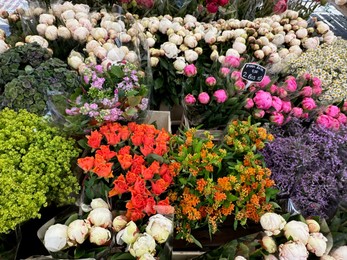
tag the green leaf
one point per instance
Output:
(122, 256)
(134, 101)
(72, 218)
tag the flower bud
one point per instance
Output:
(297, 230)
(119, 223)
(317, 244)
(56, 238)
(99, 236)
(99, 203)
(313, 225)
(78, 230)
(130, 233)
(269, 244)
(143, 244)
(100, 217)
(272, 223)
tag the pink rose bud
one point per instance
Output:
(220, 95)
(231, 61)
(236, 75)
(277, 118)
(316, 82)
(305, 115)
(286, 106)
(336, 124)
(308, 103)
(204, 98)
(240, 85)
(317, 91)
(306, 91)
(342, 118)
(307, 76)
(211, 81)
(224, 71)
(190, 99)
(297, 112)
(259, 113)
(332, 111)
(190, 70)
(249, 103)
(263, 99)
(291, 84)
(266, 80)
(325, 121)
(273, 89)
(276, 103)
(282, 93)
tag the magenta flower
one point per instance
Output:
(204, 98)
(220, 95)
(249, 103)
(277, 118)
(190, 70)
(190, 99)
(263, 99)
(332, 111)
(266, 80)
(231, 61)
(308, 103)
(210, 81)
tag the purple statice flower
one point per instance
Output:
(93, 114)
(97, 83)
(115, 114)
(126, 85)
(308, 165)
(134, 76)
(98, 68)
(93, 106)
(144, 104)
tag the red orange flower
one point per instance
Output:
(120, 186)
(94, 139)
(86, 163)
(105, 152)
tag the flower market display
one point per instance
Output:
(257, 165)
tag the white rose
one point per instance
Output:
(64, 32)
(47, 19)
(176, 39)
(322, 27)
(164, 25)
(3, 46)
(85, 22)
(159, 227)
(100, 52)
(190, 56)
(81, 15)
(259, 54)
(147, 256)
(38, 39)
(214, 55)
(297, 231)
(99, 203)
(295, 42)
(179, 64)
(41, 28)
(99, 33)
(293, 251)
(190, 41)
(51, 33)
(274, 58)
(295, 50)
(313, 226)
(189, 19)
(239, 47)
(144, 243)
(283, 52)
(67, 15)
(56, 238)
(301, 33)
(311, 43)
(100, 217)
(170, 49)
(330, 39)
(92, 45)
(78, 230)
(272, 223)
(99, 236)
(317, 244)
(131, 56)
(154, 61)
(72, 24)
(119, 223)
(74, 62)
(232, 52)
(81, 34)
(116, 54)
(129, 234)
(210, 37)
(340, 253)
(81, 8)
(269, 244)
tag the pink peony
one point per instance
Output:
(204, 98)
(249, 103)
(307, 76)
(258, 113)
(277, 118)
(308, 103)
(335, 124)
(305, 115)
(306, 91)
(210, 81)
(297, 112)
(286, 106)
(317, 91)
(220, 95)
(282, 93)
(236, 75)
(231, 61)
(240, 85)
(342, 118)
(293, 251)
(266, 80)
(332, 111)
(212, 7)
(291, 84)
(280, 7)
(190, 70)
(276, 103)
(190, 99)
(325, 121)
(224, 71)
(273, 89)
(263, 99)
(316, 82)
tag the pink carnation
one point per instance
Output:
(277, 118)
(240, 85)
(336, 124)
(308, 103)
(190, 70)
(291, 84)
(266, 80)
(210, 81)
(236, 75)
(225, 71)
(307, 76)
(204, 98)
(190, 99)
(259, 113)
(249, 103)
(332, 111)
(317, 90)
(306, 91)
(277, 103)
(316, 82)
(297, 112)
(324, 120)
(220, 95)
(342, 118)
(286, 106)
(231, 61)
(263, 99)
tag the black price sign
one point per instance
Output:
(253, 72)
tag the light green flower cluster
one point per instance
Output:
(329, 63)
(35, 162)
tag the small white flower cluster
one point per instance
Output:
(98, 227)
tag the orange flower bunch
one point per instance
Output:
(132, 159)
